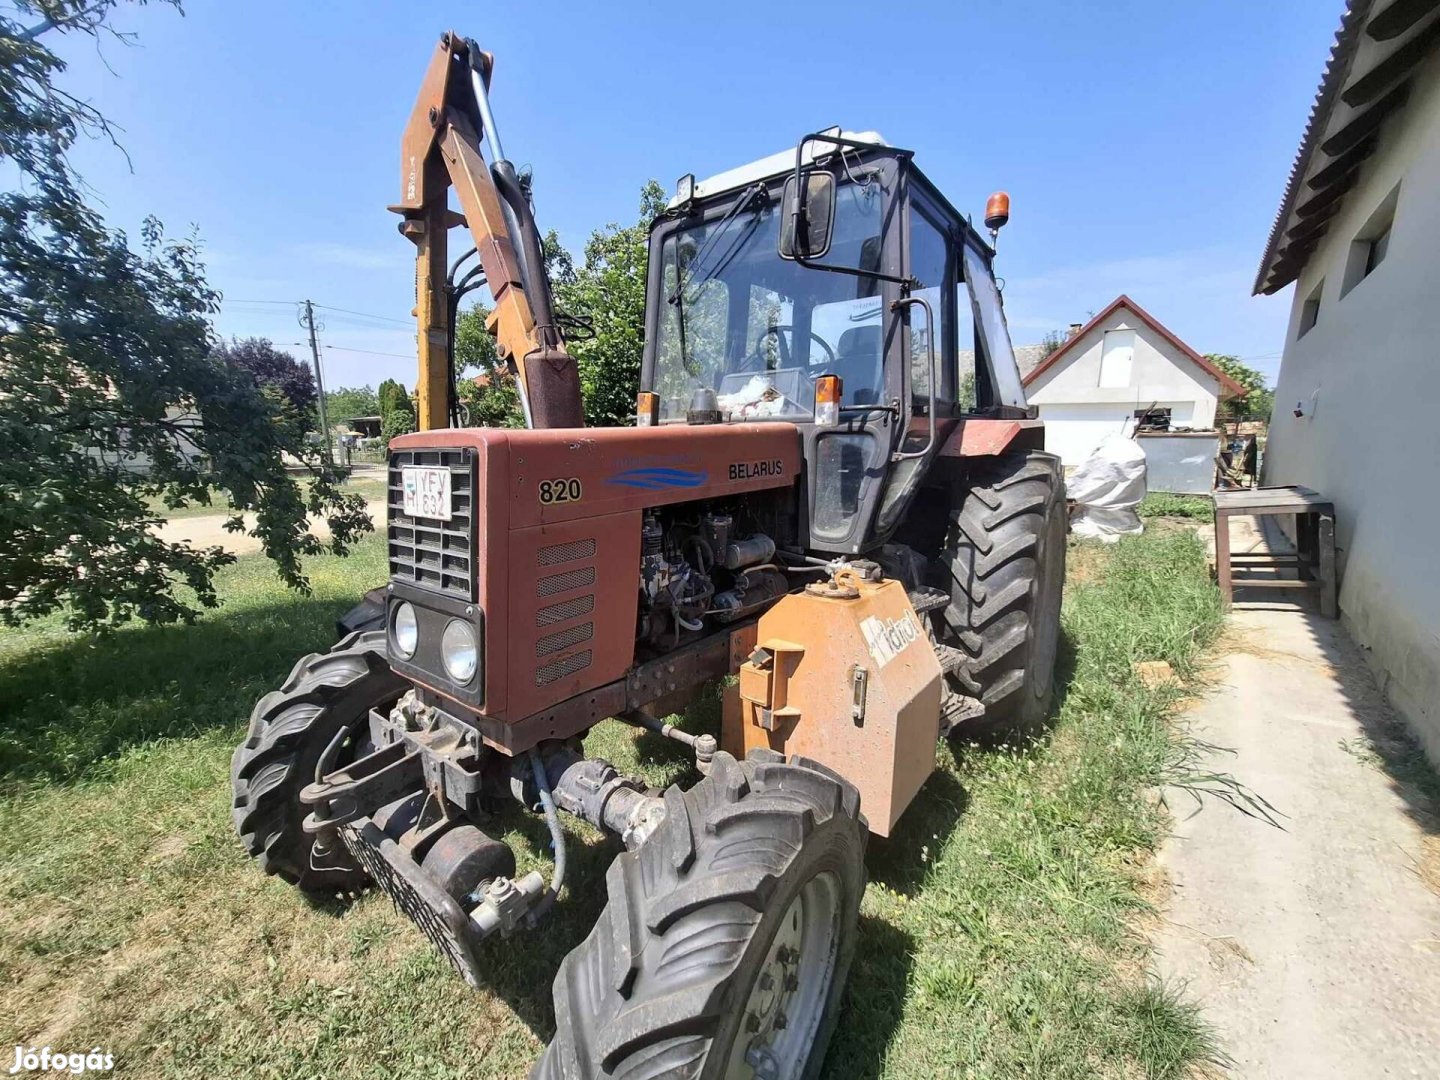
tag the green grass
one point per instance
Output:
(218, 504)
(998, 935)
(1163, 504)
(369, 487)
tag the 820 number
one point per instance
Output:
(559, 491)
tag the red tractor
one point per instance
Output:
(833, 493)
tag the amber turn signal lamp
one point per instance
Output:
(827, 400)
(647, 409)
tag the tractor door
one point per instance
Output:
(928, 347)
(966, 351)
(847, 464)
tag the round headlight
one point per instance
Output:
(458, 651)
(404, 632)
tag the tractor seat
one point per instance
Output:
(859, 361)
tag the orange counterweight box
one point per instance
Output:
(843, 673)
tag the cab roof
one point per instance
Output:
(774, 165)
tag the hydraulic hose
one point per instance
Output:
(557, 839)
(531, 253)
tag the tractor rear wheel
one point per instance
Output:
(724, 946)
(1005, 558)
(289, 729)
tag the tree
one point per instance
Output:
(474, 345)
(399, 420)
(397, 413)
(490, 398)
(605, 295)
(111, 394)
(390, 394)
(343, 405)
(1258, 400)
(1051, 343)
(607, 291)
(269, 367)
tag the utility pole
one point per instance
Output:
(308, 321)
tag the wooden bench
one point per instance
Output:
(1313, 560)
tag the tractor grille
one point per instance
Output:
(432, 554)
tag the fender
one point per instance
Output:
(986, 438)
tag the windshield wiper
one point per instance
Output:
(683, 280)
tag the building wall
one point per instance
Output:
(1079, 412)
(1367, 378)
(134, 461)
(1074, 430)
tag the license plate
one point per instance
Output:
(426, 492)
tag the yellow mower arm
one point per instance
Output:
(441, 149)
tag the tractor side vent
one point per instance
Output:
(566, 610)
(554, 652)
(570, 579)
(427, 552)
(568, 665)
(558, 553)
(563, 639)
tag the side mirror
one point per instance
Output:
(812, 209)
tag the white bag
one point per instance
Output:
(1107, 488)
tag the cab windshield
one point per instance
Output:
(758, 329)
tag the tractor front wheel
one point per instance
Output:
(724, 946)
(290, 729)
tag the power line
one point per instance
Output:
(357, 323)
(369, 352)
(325, 307)
(365, 314)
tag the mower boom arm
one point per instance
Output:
(441, 149)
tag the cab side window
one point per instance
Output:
(933, 270)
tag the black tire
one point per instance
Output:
(289, 729)
(661, 986)
(1005, 557)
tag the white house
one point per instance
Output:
(1120, 364)
(1358, 234)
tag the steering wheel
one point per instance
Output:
(756, 360)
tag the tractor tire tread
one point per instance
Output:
(288, 729)
(645, 994)
(1007, 533)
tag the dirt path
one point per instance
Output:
(1314, 950)
(209, 529)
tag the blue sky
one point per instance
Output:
(1144, 144)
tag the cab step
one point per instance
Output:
(950, 658)
(926, 599)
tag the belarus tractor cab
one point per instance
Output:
(839, 261)
(833, 502)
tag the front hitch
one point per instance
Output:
(404, 813)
